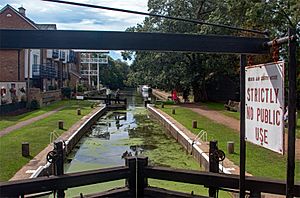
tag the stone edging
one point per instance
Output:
(188, 143)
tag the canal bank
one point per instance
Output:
(189, 141)
(38, 166)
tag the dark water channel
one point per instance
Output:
(131, 130)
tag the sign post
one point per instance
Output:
(264, 111)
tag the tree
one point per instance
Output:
(184, 70)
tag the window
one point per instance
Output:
(35, 59)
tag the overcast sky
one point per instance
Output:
(82, 18)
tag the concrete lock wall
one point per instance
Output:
(71, 142)
(201, 157)
(74, 139)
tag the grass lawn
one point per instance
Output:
(220, 107)
(260, 161)
(6, 121)
(38, 135)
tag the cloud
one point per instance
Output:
(75, 17)
(68, 17)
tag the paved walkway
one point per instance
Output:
(29, 121)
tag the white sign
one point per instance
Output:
(79, 97)
(265, 105)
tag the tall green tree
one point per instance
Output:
(184, 70)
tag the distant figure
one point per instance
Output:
(108, 95)
(185, 95)
(174, 96)
(118, 96)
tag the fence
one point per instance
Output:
(137, 172)
(8, 108)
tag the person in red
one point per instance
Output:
(174, 96)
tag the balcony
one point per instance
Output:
(43, 71)
(72, 57)
(55, 54)
(62, 55)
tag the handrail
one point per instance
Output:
(42, 184)
(200, 135)
(218, 180)
(208, 179)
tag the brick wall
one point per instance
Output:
(9, 66)
(9, 58)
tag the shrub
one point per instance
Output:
(66, 92)
(34, 104)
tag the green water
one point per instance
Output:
(137, 133)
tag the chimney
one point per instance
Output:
(22, 10)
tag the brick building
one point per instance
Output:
(46, 69)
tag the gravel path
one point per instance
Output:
(29, 121)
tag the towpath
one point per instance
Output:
(29, 121)
(220, 118)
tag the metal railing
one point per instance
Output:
(43, 71)
(94, 60)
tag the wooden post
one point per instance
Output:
(194, 124)
(78, 111)
(59, 165)
(173, 111)
(136, 181)
(61, 124)
(230, 147)
(25, 149)
(213, 164)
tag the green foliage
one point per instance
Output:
(115, 74)
(34, 104)
(66, 92)
(194, 70)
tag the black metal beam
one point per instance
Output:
(291, 117)
(242, 184)
(42, 184)
(68, 39)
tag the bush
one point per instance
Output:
(81, 88)
(66, 92)
(34, 105)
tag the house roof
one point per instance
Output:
(33, 24)
(20, 15)
(46, 26)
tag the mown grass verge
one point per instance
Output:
(38, 136)
(260, 161)
(6, 121)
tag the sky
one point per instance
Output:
(68, 17)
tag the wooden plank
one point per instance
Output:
(218, 180)
(42, 184)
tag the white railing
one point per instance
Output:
(87, 73)
(94, 60)
(202, 135)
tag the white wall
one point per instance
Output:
(29, 59)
